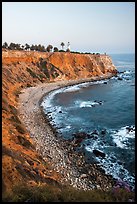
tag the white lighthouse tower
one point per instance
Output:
(68, 46)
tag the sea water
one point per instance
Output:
(106, 105)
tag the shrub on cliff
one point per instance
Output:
(50, 193)
(31, 73)
(61, 51)
(56, 49)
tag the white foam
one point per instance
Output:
(127, 72)
(91, 147)
(87, 104)
(121, 136)
(71, 89)
(46, 103)
(68, 126)
(115, 169)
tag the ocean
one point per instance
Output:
(105, 110)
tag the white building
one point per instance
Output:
(68, 45)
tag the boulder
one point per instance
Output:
(98, 153)
(82, 176)
(95, 132)
(82, 135)
(119, 78)
(103, 132)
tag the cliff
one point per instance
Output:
(21, 69)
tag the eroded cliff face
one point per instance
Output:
(22, 69)
(76, 66)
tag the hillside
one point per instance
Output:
(21, 69)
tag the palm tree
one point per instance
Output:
(62, 45)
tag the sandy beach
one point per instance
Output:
(71, 165)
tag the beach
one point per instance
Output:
(72, 167)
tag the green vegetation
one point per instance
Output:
(31, 73)
(41, 48)
(61, 51)
(49, 48)
(62, 45)
(50, 193)
(17, 92)
(56, 49)
(29, 85)
(15, 119)
(5, 45)
(13, 110)
(20, 127)
(5, 105)
(26, 143)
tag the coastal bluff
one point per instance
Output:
(60, 65)
(21, 162)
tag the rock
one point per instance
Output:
(60, 111)
(103, 132)
(130, 128)
(95, 132)
(119, 162)
(105, 82)
(91, 136)
(98, 153)
(102, 171)
(82, 135)
(82, 176)
(100, 102)
(119, 78)
(78, 141)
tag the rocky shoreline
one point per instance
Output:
(70, 164)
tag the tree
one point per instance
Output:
(56, 49)
(12, 46)
(22, 47)
(32, 47)
(62, 45)
(5, 45)
(18, 46)
(27, 46)
(49, 48)
(43, 49)
(36, 48)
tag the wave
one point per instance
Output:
(89, 104)
(116, 169)
(121, 136)
(112, 163)
(46, 103)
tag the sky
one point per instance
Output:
(88, 26)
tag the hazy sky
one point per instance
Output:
(88, 26)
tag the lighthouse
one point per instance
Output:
(68, 46)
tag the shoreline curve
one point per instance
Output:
(71, 166)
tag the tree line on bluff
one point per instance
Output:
(40, 48)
